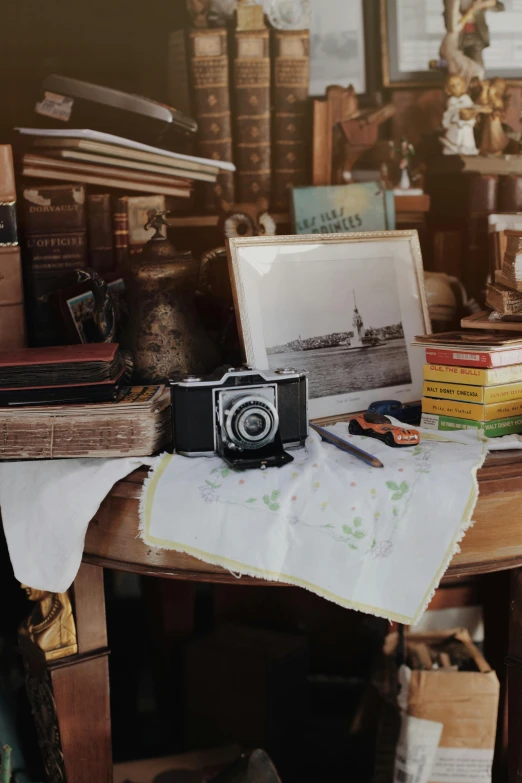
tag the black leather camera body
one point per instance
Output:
(249, 417)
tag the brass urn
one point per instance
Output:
(168, 340)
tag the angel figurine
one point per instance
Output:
(459, 118)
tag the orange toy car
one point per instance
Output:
(375, 425)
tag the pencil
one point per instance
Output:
(335, 440)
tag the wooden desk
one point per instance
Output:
(80, 684)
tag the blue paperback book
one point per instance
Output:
(336, 209)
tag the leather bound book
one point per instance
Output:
(55, 246)
(211, 100)
(510, 193)
(99, 230)
(120, 232)
(252, 115)
(12, 317)
(291, 144)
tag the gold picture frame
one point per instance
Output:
(352, 302)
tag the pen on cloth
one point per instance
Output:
(335, 440)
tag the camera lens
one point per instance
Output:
(251, 422)
(254, 424)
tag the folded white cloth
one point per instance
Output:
(46, 507)
(373, 539)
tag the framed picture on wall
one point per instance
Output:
(412, 31)
(342, 307)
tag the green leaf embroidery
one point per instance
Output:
(211, 484)
(275, 494)
(397, 496)
(274, 506)
(392, 485)
(357, 522)
(352, 546)
(359, 534)
(251, 500)
(266, 500)
(395, 511)
(225, 472)
(347, 530)
(403, 487)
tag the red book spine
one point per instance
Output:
(465, 358)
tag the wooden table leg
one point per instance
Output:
(70, 696)
(514, 679)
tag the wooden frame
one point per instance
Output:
(393, 77)
(370, 305)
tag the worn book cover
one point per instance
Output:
(252, 131)
(55, 246)
(12, 314)
(333, 209)
(471, 410)
(504, 300)
(208, 50)
(136, 423)
(291, 135)
(474, 376)
(99, 231)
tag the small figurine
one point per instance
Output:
(406, 152)
(492, 100)
(459, 119)
(475, 33)
(50, 626)
(375, 425)
(103, 316)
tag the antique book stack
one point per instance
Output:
(68, 401)
(504, 296)
(136, 423)
(472, 380)
(12, 316)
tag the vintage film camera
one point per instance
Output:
(249, 417)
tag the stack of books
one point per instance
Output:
(95, 158)
(504, 296)
(472, 381)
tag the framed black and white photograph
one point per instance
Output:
(412, 32)
(342, 307)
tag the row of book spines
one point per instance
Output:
(253, 128)
(472, 410)
(491, 429)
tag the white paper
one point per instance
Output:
(462, 765)
(416, 749)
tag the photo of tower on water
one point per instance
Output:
(368, 353)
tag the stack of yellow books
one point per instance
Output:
(457, 398)
(472, 380)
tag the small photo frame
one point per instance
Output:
(342, 307)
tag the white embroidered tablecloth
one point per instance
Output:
(377, 540)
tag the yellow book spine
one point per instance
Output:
(474, 376)
(471, 410)
(502, 410)
(507, 392)
(454, 391)
(461, 410)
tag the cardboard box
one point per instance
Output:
(449, 715)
